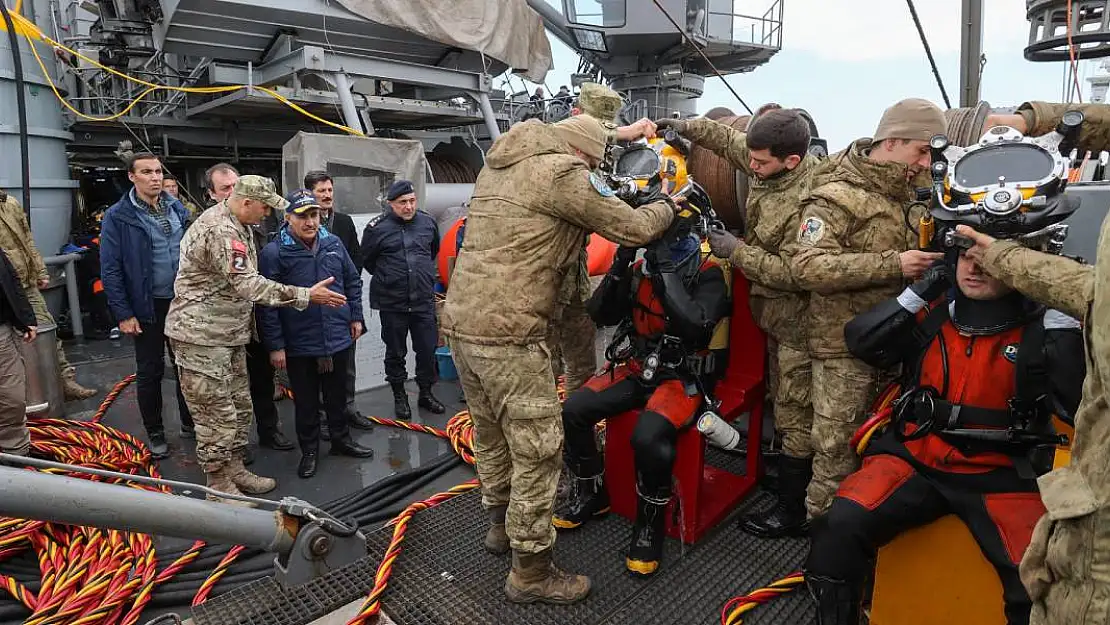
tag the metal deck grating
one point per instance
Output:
(444, 577)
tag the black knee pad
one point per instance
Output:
(653, 443)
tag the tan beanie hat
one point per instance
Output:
(584, 133)
(912, 118)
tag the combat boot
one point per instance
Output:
(497, 541)
(838, 601)
(534, 577)
(401, 401)
(75, 392)
(587, 498)
(788, 517)
(428, 402)
(248, 482)
(220, 479)
(645, 550)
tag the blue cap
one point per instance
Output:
(301, 201)
(399, 188)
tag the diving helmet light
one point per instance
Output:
(1007, 185)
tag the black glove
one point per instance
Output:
(677, 125)
(624, 256)
(658, 255)
(934, 282)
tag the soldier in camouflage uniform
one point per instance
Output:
(1064, 566)
(774, 154)
(572, 334)
(17, 242)
(212, 319)
(853, 250)
(533, 204)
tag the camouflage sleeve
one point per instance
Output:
(37, 263)
(819, 262)
(231, 256)
(584, 200)
(726, 142)
(1042, 117)
(1055, 281)
(763, 267)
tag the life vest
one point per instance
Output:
(649, 321)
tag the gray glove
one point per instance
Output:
(722, 243)
(677, 125)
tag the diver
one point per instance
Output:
(985, 369)
(671, 311)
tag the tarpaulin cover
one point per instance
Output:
(362, 168)
(507, 30)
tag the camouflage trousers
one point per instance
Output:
(791, 384)
(14, 437)
(44, 318)
(1064, 568)
(843, 389)
(518, 434)
(216, 389)
(572, 335)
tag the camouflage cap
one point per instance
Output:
(583, 133)
(262, 189)
(599, 101)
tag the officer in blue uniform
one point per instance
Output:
(399, 249)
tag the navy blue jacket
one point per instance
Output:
(401, 257)
(126, 259)
(317, 330)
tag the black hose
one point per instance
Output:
(21, 105)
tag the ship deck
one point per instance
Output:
(442, 576)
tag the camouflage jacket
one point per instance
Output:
(218, 284)
(1081, 291)
(773, 216)
(533, 205)
(17, 243)
(853, 227)
(1042, 117)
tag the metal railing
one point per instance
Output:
(736, 27)
(71, 289)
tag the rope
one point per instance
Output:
(929, 53)
(737, 606)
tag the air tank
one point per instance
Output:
(51, 185)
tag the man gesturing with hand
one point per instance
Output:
(212, 319)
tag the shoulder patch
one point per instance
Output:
(238, 257)
(376, 220)
(600, 186)
(1010, 352)
(811, 231)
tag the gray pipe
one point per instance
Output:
(487, 113)
(347, 101)
(69, 260)
(73, 501)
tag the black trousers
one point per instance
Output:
(308, 384)
(396, 327)
(888, 496)
(260, 373)
(150, 367)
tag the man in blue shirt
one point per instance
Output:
(140, 242)
(399, 249)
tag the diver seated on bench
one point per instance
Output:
(983, 375)
(673, 309)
